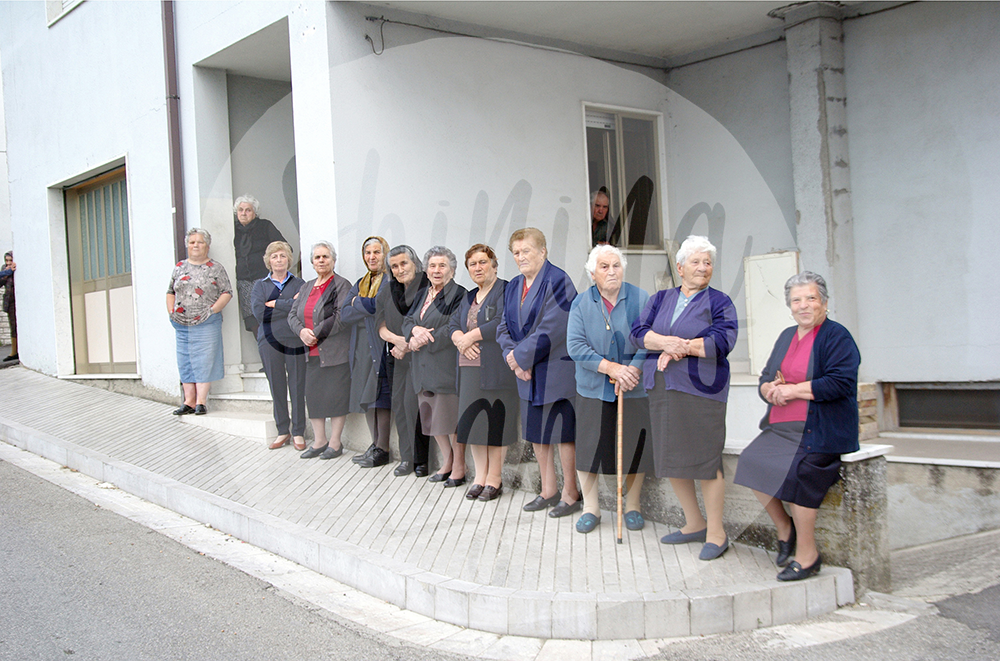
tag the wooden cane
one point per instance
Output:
(621, 414)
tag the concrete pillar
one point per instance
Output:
(309, 36)
(814, 40)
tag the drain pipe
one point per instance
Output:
(173, 129)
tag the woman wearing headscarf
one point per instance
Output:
(371, 390)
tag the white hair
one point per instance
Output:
(806, 278)
(599, 250)
(249, 199)
(204, 234)
(441, 251)
(692, 246)
(324, 244)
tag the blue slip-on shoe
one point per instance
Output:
(587, 523)
(634, 520)
(678, 537)
(712, 551)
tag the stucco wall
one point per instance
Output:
(923, 90)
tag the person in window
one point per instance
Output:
(602, 228)
(315, 318)
(392, 306)
(199, 289)
(433, 371)
(532, 335)
(371, 390)
(810, 384)
(689, 331)
(251, 236)
(487, 389)
(9, 304)
(597, 337)
(281, 350)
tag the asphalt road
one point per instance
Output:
(80, 582)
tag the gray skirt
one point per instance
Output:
(328, 389)
(487, 417)
(597, 436)
(689, 433)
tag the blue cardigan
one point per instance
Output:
(589, 340)
(832, 421)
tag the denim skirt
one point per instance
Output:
(199, 351)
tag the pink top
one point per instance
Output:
(314, 295)
(794, 368)
(472, 321)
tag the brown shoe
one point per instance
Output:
(280, 442)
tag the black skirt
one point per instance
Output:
(777, 464)
(550, 423)
(597, 436)
(328, 389)
(486, 417)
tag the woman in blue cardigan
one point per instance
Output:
(810, 384)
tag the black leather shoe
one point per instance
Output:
(420, 470)
(358, 458)
(200, 409)
(184, 410)
(439, 477)
(379, 457)
(454, 482)
(474, 491)
(786, 549)
(565, 509)
(404, 468)
(312, 453)
(330, 453)
(490, 493)
(795, 572)
(540, 503)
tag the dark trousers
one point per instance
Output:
(413, 442)
(286, 375)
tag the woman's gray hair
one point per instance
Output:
(325, 244)
(806, 278)
(409, 252)
(694, 245)
(441, 251)
(204, 234)
(599, 250)
(593, 196)
(249, 199)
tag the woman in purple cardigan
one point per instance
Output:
(689, 331)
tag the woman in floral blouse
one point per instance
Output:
(199, 289)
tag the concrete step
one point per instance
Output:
(253, 426)
(255, 382)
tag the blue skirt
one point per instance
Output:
(199, 351)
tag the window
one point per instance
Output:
(56, 9)
(623, 162)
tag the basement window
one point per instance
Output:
(949, 408)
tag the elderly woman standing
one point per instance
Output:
(810, 384)
(486, 385)
(435, 361)
(532, 336)
(689, 331)
(371, 391)
(608, 366)
(408, 284)
(315, 318)
(9, 302)
(251, 236)
(281, 350)
(199, 289)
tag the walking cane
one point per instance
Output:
(621, 413)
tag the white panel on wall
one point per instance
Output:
(122, 325)
(767, 314)
(96, 304)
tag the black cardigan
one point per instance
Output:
(495, 373)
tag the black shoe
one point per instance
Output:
(404, 468)
(379, 457)
(786, 549)
(540, 503)
(312, 453)
(330, 453)
(795, 572)
(490, 493)
(358, 458)
(420, 470)
(454, 482)
(439, 477)
(200, 409)
(12, 356)
(474, 491)
(565, 509)
(184, 410)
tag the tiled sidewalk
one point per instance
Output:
(488, 566)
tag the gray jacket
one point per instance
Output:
(334, 337)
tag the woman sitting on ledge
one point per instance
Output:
(811, 386)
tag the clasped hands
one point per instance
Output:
(524, 375)
(779, 393)
(420, 337)
(625, 377)
(673, 348)
(465, 345)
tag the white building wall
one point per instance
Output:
(923, 90)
